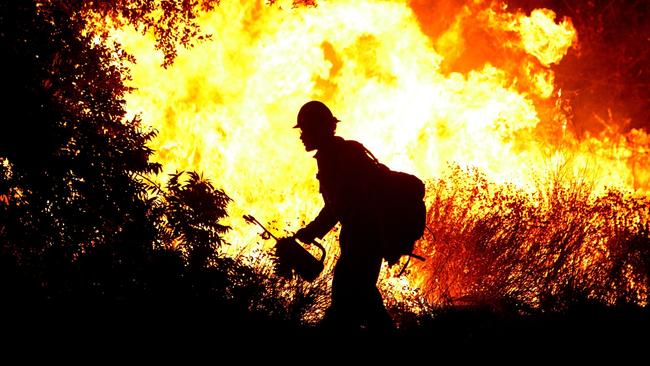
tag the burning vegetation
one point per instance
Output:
(528, 119)
(498, 245)
(422, 84)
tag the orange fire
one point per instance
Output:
(227, 105)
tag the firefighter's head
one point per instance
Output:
(316, 123)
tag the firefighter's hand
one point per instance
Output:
(305, 235)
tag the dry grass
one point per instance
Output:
(497, 245)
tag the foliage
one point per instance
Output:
(68, 156)
(172, 22)
(192, 211)
(80, 220)
(71, 200)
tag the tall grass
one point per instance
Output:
(255, 285)
(501, 246)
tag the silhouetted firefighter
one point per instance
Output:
(348, 175)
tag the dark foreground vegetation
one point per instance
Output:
(89, 243)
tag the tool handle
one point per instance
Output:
(319, 246)
(253, 220)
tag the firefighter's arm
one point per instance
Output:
(321, 225)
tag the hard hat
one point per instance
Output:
(315, 113)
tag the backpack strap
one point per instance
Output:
(360, 147)
(372, 156)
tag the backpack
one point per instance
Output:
(399, 200)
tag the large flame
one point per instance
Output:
(226, 106)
